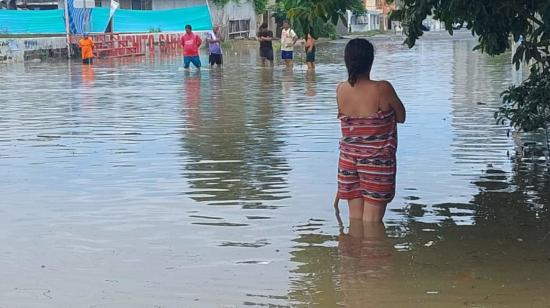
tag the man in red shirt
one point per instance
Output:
(191, 43)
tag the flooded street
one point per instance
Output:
(135, 184)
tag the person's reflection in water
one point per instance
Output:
(264, 114)
(266, 83)
(311, 84)
(287, 82)
(88, 75)
(217, 92)
(365, 264)
(192, 83)
(88, 82)
(231, 142)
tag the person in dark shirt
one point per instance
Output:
(265, 37)
(310, 52)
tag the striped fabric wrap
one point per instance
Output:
(367, 163)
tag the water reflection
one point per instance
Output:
(287, 85)
(366, 265)
(311, 84)
(115, 200)
(88, 75)
(477, 85)
(484, 244)
(232, 148)
(192, 97)
(313, 280)
(500, 258)
(88, 99)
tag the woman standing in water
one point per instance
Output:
(369, 111)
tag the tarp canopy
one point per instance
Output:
(36, 22)
(52, 21)
(79, 17)
(146, 21)
(99, 20)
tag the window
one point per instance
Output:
(142, 5)
(239, 28)
(98, 3)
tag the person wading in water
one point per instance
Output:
(369, 111)
(214, 40)
(87, 49)
(191, 43)
(265, 37)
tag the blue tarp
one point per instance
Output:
(79, 18)
(52, 21)
(100, 19)
(165, 20)
(36, 22)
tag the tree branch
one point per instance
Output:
(531, 17)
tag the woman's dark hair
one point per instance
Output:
(188, 27)
(358, 55)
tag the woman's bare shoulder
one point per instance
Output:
(385, 85)
(387, 92)
(342, 86)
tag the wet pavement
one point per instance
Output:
(135, 184)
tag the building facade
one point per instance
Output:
(376, 17)
(28, 4)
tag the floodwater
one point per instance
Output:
(135, 184)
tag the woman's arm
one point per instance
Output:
(388, 92)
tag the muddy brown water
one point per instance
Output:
(134, 184)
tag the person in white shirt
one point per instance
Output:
(288, 40)
(214, 40)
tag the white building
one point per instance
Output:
(369, 21)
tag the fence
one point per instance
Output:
(36, 22)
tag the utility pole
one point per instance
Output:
(67, 27)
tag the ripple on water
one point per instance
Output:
(165, 182)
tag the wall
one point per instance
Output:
(172, 4)
(370, 4)
(20, 49)
(367, 22)
(234, 11)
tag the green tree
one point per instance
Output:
(260, 6)
(313, 15)
(497, 25)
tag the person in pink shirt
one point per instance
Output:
(191, 43)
